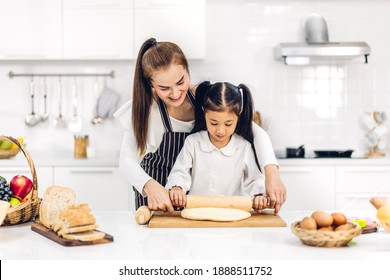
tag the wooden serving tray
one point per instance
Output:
(48, 233)
(165, 220)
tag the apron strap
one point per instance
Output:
(191, 98)
(164, 114)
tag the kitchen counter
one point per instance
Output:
(136, 242)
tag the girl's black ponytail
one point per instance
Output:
(200, 122)
(244, 125)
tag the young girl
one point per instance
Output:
(219, 160)
(157, 120)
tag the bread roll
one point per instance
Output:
(383, 216)
(378, 202)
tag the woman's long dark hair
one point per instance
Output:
(221, 96)
(153, 56)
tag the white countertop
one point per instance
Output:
(136, 242)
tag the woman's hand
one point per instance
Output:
(274, 187)
(178, 196)
(158, 197)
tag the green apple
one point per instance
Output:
(14, 201)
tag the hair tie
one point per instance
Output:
(242, 98)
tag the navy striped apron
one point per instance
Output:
(159, 164)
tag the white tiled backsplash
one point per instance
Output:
(318, 106)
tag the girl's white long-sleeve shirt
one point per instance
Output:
(204, 169)
(130, 159)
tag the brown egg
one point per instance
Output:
(328, 228)
(339, 219)
(343, 227)
(309, 223)
(322, 218)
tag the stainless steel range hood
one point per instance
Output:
(318, 49)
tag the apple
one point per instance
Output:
(20, 186)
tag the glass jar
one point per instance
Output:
(81, 143)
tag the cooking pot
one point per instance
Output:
(295, 152)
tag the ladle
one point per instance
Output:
(97, 119)
(32, 119)
(75, 123)
(59, 122)
(45, 114)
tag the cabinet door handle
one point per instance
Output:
(363, 169)
(25, 56)
(367, 196)
(83, 171)
(296, 170)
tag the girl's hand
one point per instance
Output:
(260, 202)
(177, 196)
(158, 197)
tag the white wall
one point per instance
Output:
(318, 106)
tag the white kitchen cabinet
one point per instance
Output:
(30, 29)
(104, 188)
(178, 21)
(309, 187)
(98, 29)
(355, 186)
(44, 175)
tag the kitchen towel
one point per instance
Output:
(107, 103)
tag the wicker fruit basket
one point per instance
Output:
(8, 153)
(320, 238)
(28, 210)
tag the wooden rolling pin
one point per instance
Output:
(143, 214)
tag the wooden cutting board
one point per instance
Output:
(41, 229)
(165, 220)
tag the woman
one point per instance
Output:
(157, 121)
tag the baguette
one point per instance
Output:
(55, 199)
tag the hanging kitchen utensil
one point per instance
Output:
(75, 124)
(32, 119)
(97, 119)
(59, 122)
(107, 104)
(45, 114)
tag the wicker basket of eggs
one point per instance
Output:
(323, 229)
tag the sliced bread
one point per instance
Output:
(74, 216)
(85, 236)
(55, 199)
(66, 230)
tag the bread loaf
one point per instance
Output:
(55, 199)
(59, 212)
